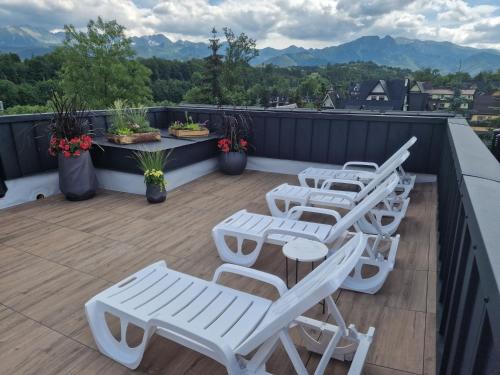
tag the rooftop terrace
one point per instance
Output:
(437, 312)
(57, 254)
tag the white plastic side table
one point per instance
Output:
(303, 250)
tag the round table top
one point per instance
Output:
(305, 250)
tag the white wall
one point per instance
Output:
(294, 167)
(26, 189)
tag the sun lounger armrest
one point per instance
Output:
(287, 232)
(316, 210)
(333, 194)
(361, 164)
(328, 183)
(252, 274)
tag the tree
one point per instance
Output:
(171, 90)
(8, 93)
(313, 89)
(213, 70)
(98, 66)
(239, 51)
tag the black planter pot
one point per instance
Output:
(155, 194)
(77, 179)
(232, 163)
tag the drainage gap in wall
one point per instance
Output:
(40, 196)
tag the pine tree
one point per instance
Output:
(213, 69)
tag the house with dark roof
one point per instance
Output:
(379, 94)
(332, 99)
(485, 108)
(418, 97)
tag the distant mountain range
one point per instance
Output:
(398, 52)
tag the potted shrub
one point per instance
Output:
(130, 125)
(189, 128)
(234, 144)
(70, 141)
(152, 165)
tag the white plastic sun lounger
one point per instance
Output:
(237, 329)
(255, 229)
(382, 220)
(362, 171)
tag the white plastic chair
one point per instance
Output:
(362, 171)
(237, 329)
(383, 220)
(255, 229)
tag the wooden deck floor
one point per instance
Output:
(55, 255)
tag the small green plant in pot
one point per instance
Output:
(152, 164)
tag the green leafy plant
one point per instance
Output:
(127, 121)
(152, 165)
(189, 124)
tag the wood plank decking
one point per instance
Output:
(55, 255)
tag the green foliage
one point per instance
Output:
(126, 120)
(99, 66)
(27, 109)
(189, 124)
(152, 165)
(313, 89)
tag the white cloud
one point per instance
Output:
(278, 23)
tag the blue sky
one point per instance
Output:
(276, 23)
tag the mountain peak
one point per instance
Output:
(400, 52)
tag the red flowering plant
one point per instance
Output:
(70, 135)
(235, 130)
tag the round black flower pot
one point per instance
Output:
(232, 163)
(155, 193)
(77, 178)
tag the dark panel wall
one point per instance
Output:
(332, 137)
(24, 140)
(469, 261)
(335, 137)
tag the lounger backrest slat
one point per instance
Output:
(399, 152)
(361, 209)
(382, 175)
(317, 285)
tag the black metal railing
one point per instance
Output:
(469, 258)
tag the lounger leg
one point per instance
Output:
(273, 207)
(107, 344)
(235, 256)
(373, 223)
(374, 256)
(353, 347)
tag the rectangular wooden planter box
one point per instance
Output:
(188, 133)
(134, 138)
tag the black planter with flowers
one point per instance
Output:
(233, 146)
(71, 143)
(232, 163)
(152, 164)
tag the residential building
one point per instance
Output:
(485, 108)
(379, 94)
(332, 99)
(441, 98)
